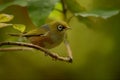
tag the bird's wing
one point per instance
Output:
(42, 31)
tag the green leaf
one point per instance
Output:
(99, 13)
(22, 3)
(6, 17)
(19, 27)
(40, 9)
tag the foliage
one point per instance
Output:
(6, 18)
(35, 8)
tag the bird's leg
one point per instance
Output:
(69, 52)
(46, 54)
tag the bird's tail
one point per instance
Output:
(16, 35)
(24, 35)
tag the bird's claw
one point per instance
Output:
(70, 60)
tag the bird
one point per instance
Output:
(48, 35)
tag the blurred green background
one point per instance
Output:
(95, 42)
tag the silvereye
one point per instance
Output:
(49, 35)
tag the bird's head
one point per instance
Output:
(59, 26)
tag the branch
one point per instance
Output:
(64, 8)
(68, 47)
(16, 49)
(55, 56)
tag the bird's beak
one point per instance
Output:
(68, 28)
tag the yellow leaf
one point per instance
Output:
(2, 25)
(6, 17)
(19, 27)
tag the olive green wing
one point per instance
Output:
(43, 30)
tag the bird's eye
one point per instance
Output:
(60, 27)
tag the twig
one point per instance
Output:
(64, 8)
(16, 49)
(68, 47)
(53, 55)
(68, 21)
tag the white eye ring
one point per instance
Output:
(60, 27)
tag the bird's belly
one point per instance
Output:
(45, 42)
